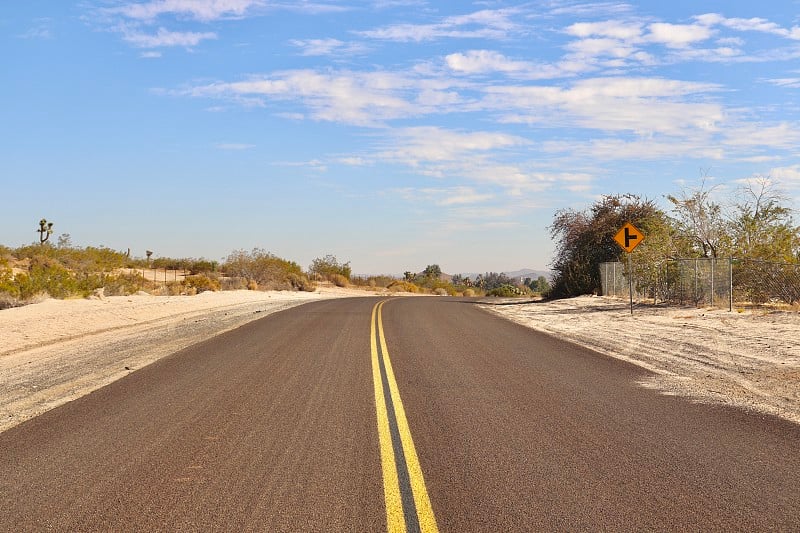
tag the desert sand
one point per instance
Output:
(58, 350)
(746, 358)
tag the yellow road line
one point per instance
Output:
(424, 510)
(391, 486)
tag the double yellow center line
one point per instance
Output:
(408, 507)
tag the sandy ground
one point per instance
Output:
(59, 350)
(749, 359)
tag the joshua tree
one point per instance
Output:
(45, 230)
(148, 253)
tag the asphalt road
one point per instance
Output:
(347, 416)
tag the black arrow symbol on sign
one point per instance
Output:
(629, 237)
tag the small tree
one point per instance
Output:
(432, 271)
(761, 224)
(45, 230)
(584, 239)
(329, 268)
(700, 221)
(64, 241)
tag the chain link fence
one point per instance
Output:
(706, 281)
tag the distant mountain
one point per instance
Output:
(518, 274)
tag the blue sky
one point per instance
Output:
(391, 133)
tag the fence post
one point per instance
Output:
(730, 284)
(630, 280)
(615, 278)
(713, 261)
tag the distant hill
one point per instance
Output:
(517, 274)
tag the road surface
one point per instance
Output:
(414, 414)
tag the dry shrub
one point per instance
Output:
(233, 284)
(338, 280)
(7, 301)
(403, 286)
(300, 282)
(469, 293)
(175, 288)
(252, 285)
(202, 282)
(440, 291)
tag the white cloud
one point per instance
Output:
(202, 10)
(150, 55)
(446, 197)
(788, 175)
(783, 135)
(349, 97)
(755, 24)
(164, 37)
(589, 9)
(479, 62)
(639, 105)
(485, 24)
(678, 35)
(327, 47)
(602, 47)
(790, 83)
(614, 29)
(431, 144)
(483, 61)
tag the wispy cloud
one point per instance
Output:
(362, 98)
(165, 37)
(42, 29)
(485, 24)
(201, 10)
(327, 47)
(452, 196)
(751, 24)
(790, 83)
(639, 105)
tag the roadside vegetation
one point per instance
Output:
(63, 270)
(752, 222)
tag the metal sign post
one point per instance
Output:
(629, 237)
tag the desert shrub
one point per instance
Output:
(46, 275)
(329, 267)
(440, 291)
(506, 291)
(201, 283)
(266, 269)
(252, 285)
(8, 301)
(469, 293)
(175, 288)
(372, 281)
(232, 284)
(403, 286)
(338, 280)
(302, 283)
(201, 266)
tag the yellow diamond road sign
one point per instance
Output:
(629, 237)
